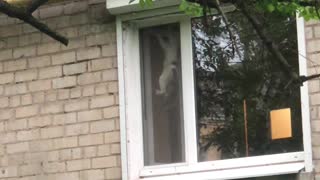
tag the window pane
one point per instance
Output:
(163, 124)
(246, 104)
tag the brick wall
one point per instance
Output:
(313, 59)
(59, 105)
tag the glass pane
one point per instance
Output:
(246, 104)
(162, 92)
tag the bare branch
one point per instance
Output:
(25, 16)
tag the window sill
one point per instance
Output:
(266, 165)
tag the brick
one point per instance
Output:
(104, 150)
(51, 96)
(102, 101)
(17, 148)
(29, 39)
(75, 43)
(41, 85)
(89, 78)
(6, 54)
(65, 154)
(111, 112)
(66, 142)
(313, 46)
(27, 75)
(98, 39)
(65, 82)
(51, 108)
(27, 111)
(88, 53)
(75, 92)
(66, 118)
(52, 11)
(64, 176)
(8, 172)
(30, 169)
(76, 165)
(110, 75)
(91, 139)
(6, 78)
(73, 8)
(88, 91)
(113, 87)
(48, 48)
(15, 65)
(77, 105)
(4, 102)
(8, 137)
(97, 174)
(101, 89)
(89, 115)
(41, 145)
(104, 162)
(64, 58)
(309, 32)
(17, 124)
(315, 125)
(90, 151)
(26, 99)
(70, 32)
(40, 121)
(54, 167)
(52, 132)
(24, 52)
(77, 129)
(38, 97)
(41, 61)
(16, 89)
(75, 68)
(28, 135)
(6, 114)
(112, 137)
(113, 173)
(109, 50)
(100, 64)
(14, 101)
(50, 72)
(102, 126)
(314, 137)
(63, 94)
(115, 149)
(79, 19)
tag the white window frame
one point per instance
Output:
(131, 111)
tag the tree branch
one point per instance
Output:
(25, 16)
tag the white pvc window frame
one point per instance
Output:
(131, 111)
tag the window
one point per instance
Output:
(191, 111)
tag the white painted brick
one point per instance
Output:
(50, 72)
(76, 165)
(75, 68)
(27, 111)
(89, 115)
(88, 53)
(27, 75)
(65, 82)
(64, 58)
(91, 139)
